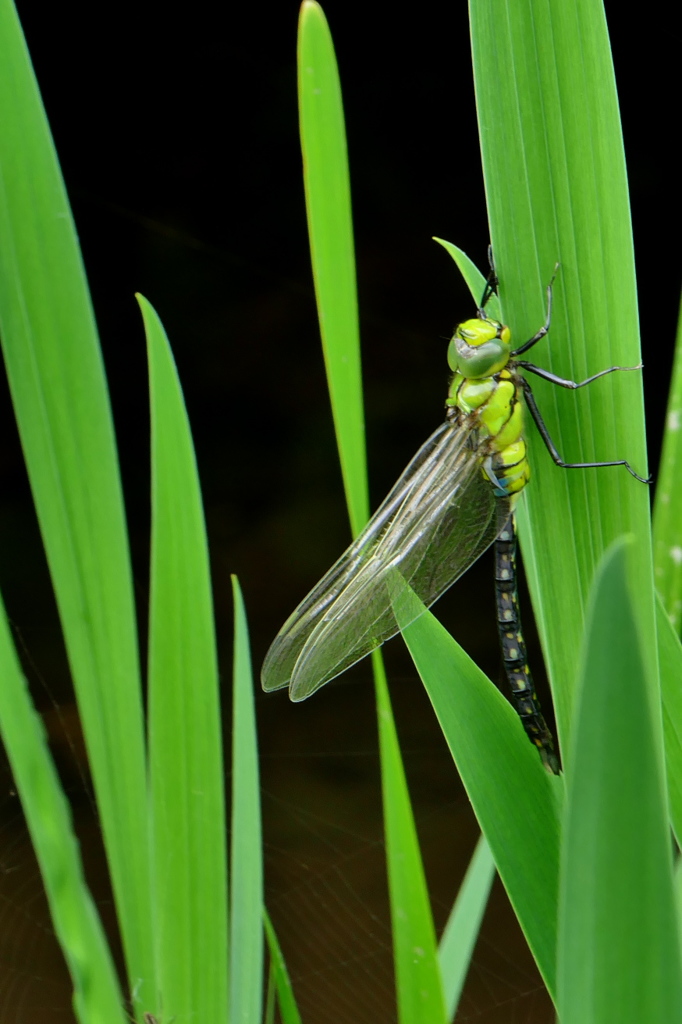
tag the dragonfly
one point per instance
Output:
(455, 498)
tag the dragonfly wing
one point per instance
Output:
(286, 648)
(447, 516)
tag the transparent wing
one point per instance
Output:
(437, 520)
(284, 652)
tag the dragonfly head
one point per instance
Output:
(479, 347)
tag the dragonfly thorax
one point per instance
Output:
(479, 347)
(491, 410)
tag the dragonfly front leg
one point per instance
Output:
(545, 327)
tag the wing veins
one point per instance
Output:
(301, 623)
(430, 507)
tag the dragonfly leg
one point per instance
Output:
(545, 327)
(551, 447)
(572, 385)
(490, 284)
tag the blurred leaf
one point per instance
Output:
(618, 942)
(462, 928)
(96, 994)
(670, 661)
(668, 504)
(285, 994)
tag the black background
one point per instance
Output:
(177, 134)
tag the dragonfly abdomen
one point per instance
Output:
(513, 647)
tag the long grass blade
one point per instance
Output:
(418, 983)
(246, 861)
(556, 188)
(330, 229)
(418, 978)
(96, 994)
(462, 928)
(186, 767)
(285, 993)
(58, 387)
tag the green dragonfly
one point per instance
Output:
(453, 501)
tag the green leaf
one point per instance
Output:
(246, 909)
(473, 277)
(677, 882)
(78, 928)
(186, 767)
(285, 994)
(418, 979)
(514, 798)
(59, 392)
(418, 984)
(462, 928)
(668, 504)
(670, 661)
(330, 229)
(556, 187)
(618, 943)
(270, 998)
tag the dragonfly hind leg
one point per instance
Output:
(549, 443)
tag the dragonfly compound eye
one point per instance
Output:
(479, 347)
